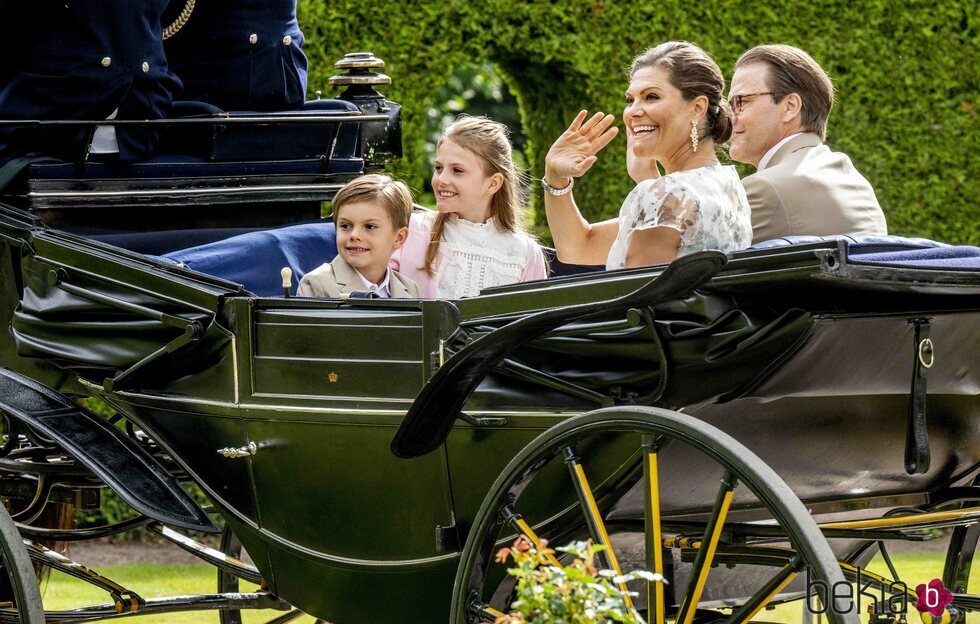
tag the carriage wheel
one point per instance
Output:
(649, 431)
(959, 561)
(18, 578)
(961, 553)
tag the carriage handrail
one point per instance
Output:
(221, 119)
(431, 416)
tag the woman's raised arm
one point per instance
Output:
(576, 240)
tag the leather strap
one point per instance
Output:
(917, 434)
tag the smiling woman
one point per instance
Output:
(674, 116)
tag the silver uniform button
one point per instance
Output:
(253, 38)
(145, 67)
(106, 61)
(287, 40)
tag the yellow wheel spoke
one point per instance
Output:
(490, 614)
(593, 517)
(654, 545)
(523, 528)
(705, 556)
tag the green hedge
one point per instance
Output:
(906, 77)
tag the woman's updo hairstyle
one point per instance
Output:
(693, 73)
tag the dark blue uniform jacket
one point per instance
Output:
(240, 54)
(82, 59)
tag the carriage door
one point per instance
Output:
(330, 384)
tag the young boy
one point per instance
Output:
(371, 214)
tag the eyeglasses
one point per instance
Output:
(738, 101)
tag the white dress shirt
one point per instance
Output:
(382, 290)
(775, 148)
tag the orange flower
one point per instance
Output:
(522, 544)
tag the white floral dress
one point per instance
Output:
(706, 205)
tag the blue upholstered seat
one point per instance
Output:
(274, 147)
(900, 251)
(255, 259)
(856, 243)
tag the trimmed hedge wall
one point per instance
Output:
(906, 77)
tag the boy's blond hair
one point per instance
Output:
(392, 194)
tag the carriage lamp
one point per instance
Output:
(361, 81)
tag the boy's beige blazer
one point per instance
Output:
(332, 279)
(807, 189)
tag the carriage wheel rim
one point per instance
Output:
(771, 492)
(20, 571)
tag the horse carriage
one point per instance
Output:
(754, 427)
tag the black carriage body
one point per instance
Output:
(283, 410)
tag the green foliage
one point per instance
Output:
(577, 593)
(474, 90)
(905, 74)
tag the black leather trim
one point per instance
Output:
(917, 433)
(117, 460)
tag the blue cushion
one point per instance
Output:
(255, 259)
(958, 258)
(900, 251)
(855, 242)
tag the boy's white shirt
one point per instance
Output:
(382, 290)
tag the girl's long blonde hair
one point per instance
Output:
(489, 140)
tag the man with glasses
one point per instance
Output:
(781, 99)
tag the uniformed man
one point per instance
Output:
(240, 54)
(82, 59)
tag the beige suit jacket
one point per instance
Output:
(807, 189)
(337, 277)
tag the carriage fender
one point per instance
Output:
(115, 458)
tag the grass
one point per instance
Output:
(150, 581)
(62, 592)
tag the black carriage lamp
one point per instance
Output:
(382, 144)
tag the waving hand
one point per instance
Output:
(575, 150)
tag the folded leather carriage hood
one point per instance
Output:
(703, 348)
(102, 328)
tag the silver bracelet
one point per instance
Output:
(558, 192)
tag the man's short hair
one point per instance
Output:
(791, 70)
(378, 188)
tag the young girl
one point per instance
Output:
(476, 239)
